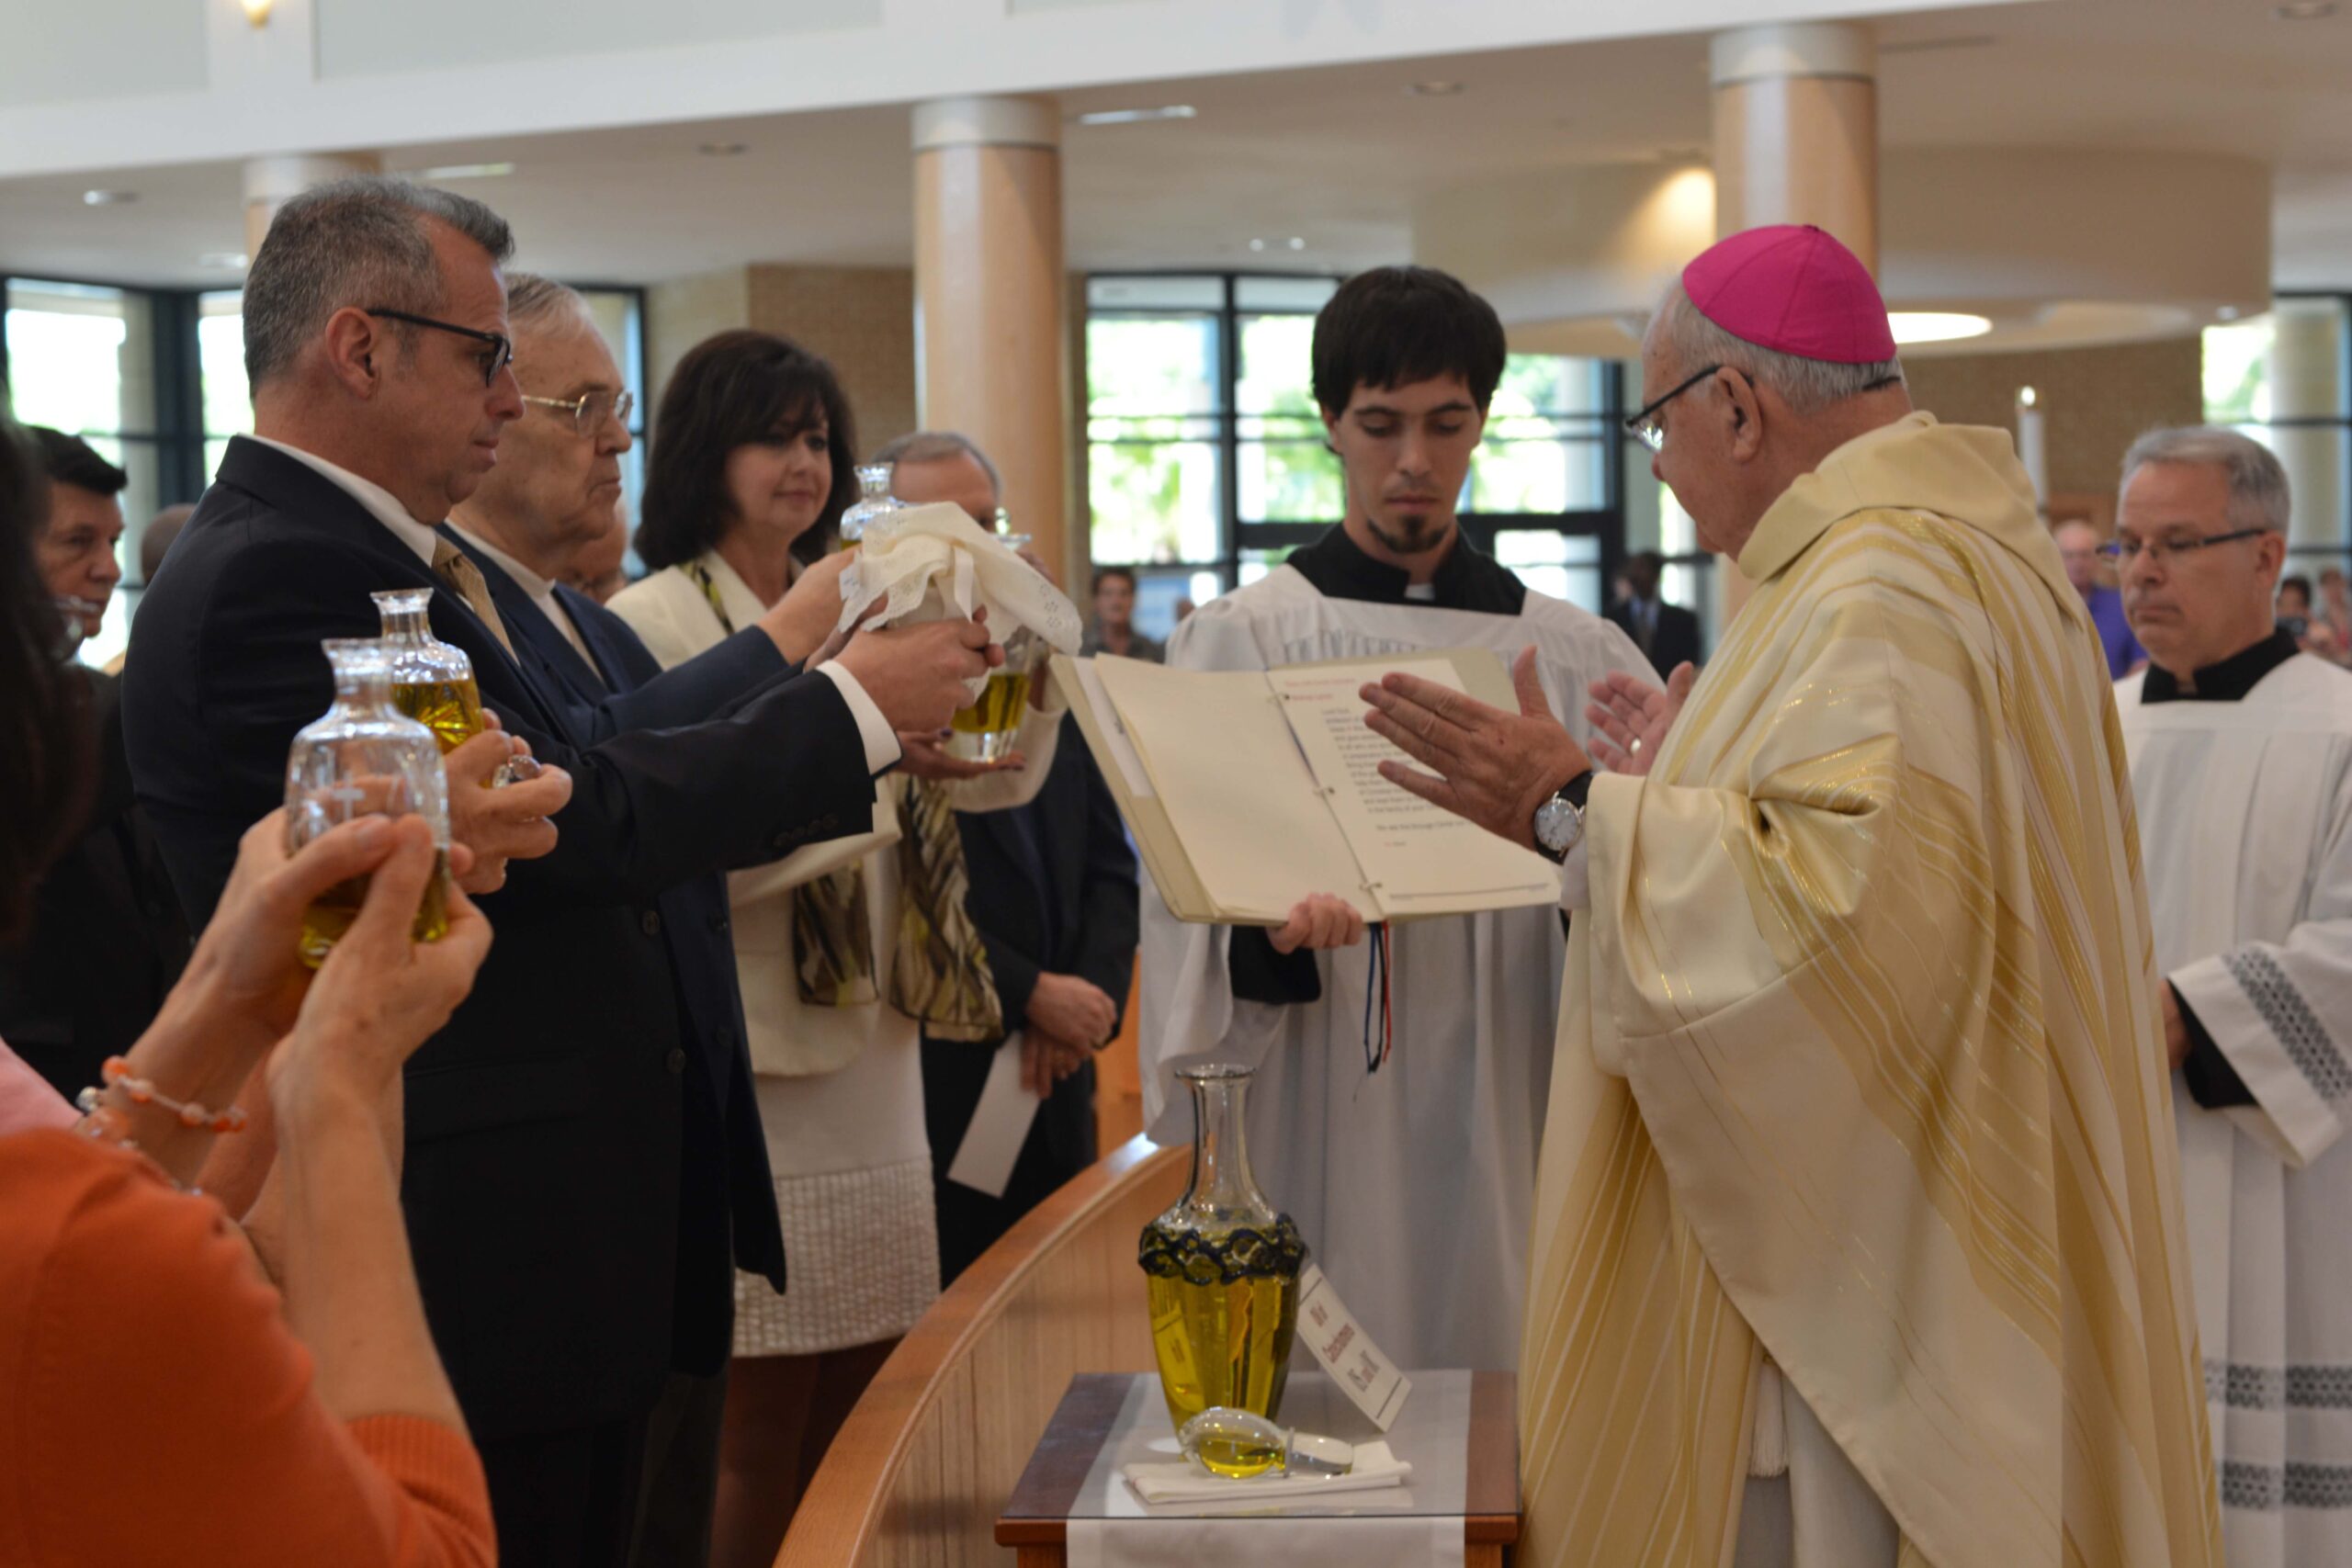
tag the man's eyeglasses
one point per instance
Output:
(2159, 551)
(500, 352)
(1650, 430)
(589, 411)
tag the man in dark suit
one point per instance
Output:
(576, 1182)
(1666, 633)
(1052, 888)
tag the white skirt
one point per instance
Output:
(852, 1162)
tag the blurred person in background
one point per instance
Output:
(1666, 633)
(155, 541)
(106, 939)
(1113, 630)
(2078, 547)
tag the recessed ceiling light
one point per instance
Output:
(1137, 117)
(1936, 326)
(1256, 245)
(107, 197)
(722, 149)
(465, 172)
(1433, 89)
(222, 258)
(1296, 243)
(2305, 11)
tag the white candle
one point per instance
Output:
(2033, 449)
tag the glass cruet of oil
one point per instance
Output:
(874, 499)
(363, 756)
(1222, 1267)
(432, 681)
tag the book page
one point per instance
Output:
(1419, 857)
(1226, 769)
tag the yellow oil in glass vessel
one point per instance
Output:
(432, 681)
(363, 756)
(1222, 1271)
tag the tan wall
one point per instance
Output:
(681, 313)
(863, 319)
(2095, 400)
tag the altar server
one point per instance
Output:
(2240, 753)
(1413, 1184)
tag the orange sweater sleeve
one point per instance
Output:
(158, 1411)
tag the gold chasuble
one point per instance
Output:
(1861, 1068)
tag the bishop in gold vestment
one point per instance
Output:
(1859, 1162)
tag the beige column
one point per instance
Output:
(2306, 380)
(1797, 141)
(270, 183)
(989, 353)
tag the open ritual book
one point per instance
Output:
(1248, 790)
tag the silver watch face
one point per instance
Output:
(1558, 826)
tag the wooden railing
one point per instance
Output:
(930, 1453)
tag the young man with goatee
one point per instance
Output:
(1412, 1185)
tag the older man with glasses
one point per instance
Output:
(2240, 753)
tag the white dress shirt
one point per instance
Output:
(541, 591)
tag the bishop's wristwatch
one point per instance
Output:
(1559, 821)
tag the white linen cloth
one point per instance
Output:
(1163, 1483)
(925, 563)
(1413, 1187)
(2246, 829)
(1415, 1526)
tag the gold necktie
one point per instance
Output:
(462, 577)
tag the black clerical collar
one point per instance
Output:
(1465, 580)
(2227, 681)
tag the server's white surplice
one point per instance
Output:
(2245, 823)
(1413, 1187)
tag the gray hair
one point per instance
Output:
(2259, 497)
(1808, 386)
(353, 243)
(533, 302)
(937, 447)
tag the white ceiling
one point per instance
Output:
(1334, 156)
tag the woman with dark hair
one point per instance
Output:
(165, 1405)
(845, 952)
(757, 463)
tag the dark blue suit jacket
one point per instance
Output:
(547, 1123)
(726, 1175)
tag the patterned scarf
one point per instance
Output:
(939, 970)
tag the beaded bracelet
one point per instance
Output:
(103, 1121)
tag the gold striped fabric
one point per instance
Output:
(1861, 1066)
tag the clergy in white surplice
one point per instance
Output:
(1413, 1185)
(2241, 754)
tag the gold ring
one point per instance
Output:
(1635, 749)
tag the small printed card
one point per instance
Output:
(1336, 1339)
